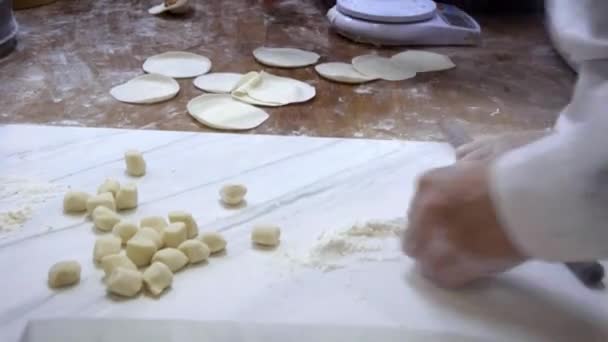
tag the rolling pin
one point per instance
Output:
(590, 273)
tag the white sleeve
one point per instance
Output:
(552, 196)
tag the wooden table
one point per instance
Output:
(71, 53)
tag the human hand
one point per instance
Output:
(490, 148)
(454, 233)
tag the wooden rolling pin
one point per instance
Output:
(590, 273)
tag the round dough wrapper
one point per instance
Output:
(273, 89)
(285, 57)
(381, 67)
(177, 64)
(150, 88)
(342, 72)
(423, 61)
(223, 112)
(219, 82)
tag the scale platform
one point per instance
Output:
(403, 22)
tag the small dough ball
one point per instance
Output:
(187, 219)
(75, 201)
(233, 194)
(150, 234)
(109, 185)
(214, 241)
(195, 250)
(101, 200)
(126, 197)
(140, 250)
(157, 278)
(111, 262)
(157, 223)
(64, 273)
(125, 282)
(266, 235)
(106, 245)
(125, 230)
(172, 257)
(175, 234)
(136, 165)
(105, 219)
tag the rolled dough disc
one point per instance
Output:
(177, 64)
(219, 82)
(342, 72)
(381, 67)
(285, 57)
(423, 61)
(149, 88)
(274, 90)
(221, 111)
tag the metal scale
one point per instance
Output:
(403, 22)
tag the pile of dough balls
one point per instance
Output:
(145, 254)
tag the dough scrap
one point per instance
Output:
(140, 250)
(106, 245)
(150, 234)
(233, 194)
(145, 89)
(125, 282)
(126, 197)
(266, 235)
(175, 234)
(187, 219)
(135, 163)
(218, 82)
(342, 72)
(177, 64)
(105, 219)
(109, 185)
(215, 241)
(195, 250)
(285, 57)
(273, 90)
(178, 6)
(125, 230)
(157, 278)
(75, 201)
(423, 61)
(381, 67)
(64, 273)
(104, 200)
(110, 262)
(223, 112)
(172, 257)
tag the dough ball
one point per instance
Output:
(172, 257)
(422, 61)
(177, 64)
(157, 278)
(146, 89)
(125, 230)
(101, 200)
(124, 282)
(381, 67)
(175, 234)
(266, 235)
(157, 223)
(223, 112)
(195, 250)
(105, 219)
(140, 250)
(110, 262)
(109, 185)
(233, 194)
(136, 165)
(64, 273)
(126, 197)
(285, 57)
(215, 241)
(187, 219)
(219, 82)
(342, 72)
(106, 245)
(75, 201)
(150, 234)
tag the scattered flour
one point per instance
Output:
(372, 241)
(19, 198)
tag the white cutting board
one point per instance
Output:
(307, 186)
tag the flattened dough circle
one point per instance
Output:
(177, 64)
(381, 67)
(221, 111)
(342, 72)
(265, 88)
(285, 57)
(149, 88)
(218, 82)
(423, 61)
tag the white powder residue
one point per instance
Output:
(372, 241)
(19, 198)
(364, 89)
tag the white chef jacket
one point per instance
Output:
(552, 195)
